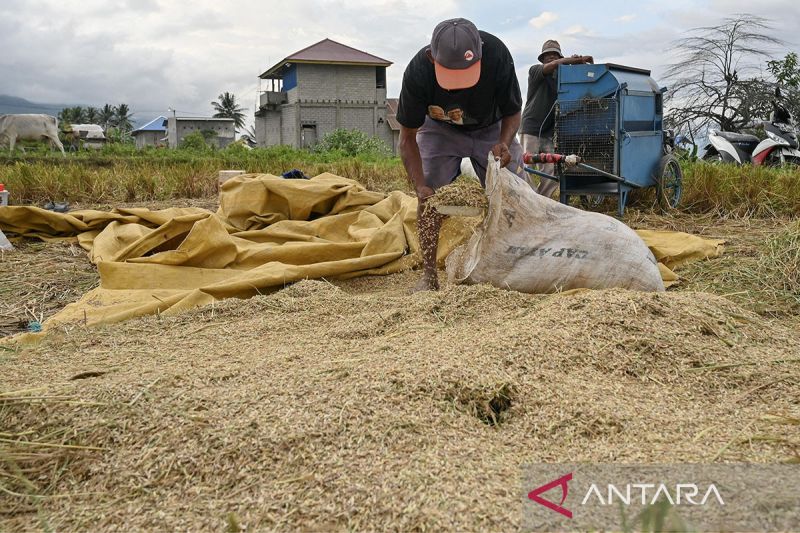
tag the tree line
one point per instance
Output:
(118, 117)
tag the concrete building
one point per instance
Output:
(391, 120)
(151, 134)
(179, 127)
(86, 136)
(321, 88)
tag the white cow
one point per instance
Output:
(29, 127)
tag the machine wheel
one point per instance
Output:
(712, 157)
(591, 201)
(669, 183)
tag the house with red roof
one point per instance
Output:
(318, 89)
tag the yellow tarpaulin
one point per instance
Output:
(674, 249)
(268, 232)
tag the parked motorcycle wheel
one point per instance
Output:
(713, 157)
(774, 159)
(779, 160)
(669, 183)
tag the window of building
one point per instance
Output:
(380, 77)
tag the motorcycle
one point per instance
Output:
(779, 148)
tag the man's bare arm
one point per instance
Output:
(508, 128)
(549, 68)
(412, 161)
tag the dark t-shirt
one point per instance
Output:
(539, 114)
(496, 95)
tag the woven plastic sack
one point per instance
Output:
(533, 244)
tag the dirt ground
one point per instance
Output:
(353, 405)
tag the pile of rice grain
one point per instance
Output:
(463, 192)
(320, 409)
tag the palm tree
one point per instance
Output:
(106, 117)
(122, 117)
(72, 115)
(249, 135)
(226, 107)
(63, 115)
(92, 115)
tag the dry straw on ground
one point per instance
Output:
(780, 265)
(38, 280)
(356, 406)
(758, 269)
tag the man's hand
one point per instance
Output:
(502, 154)
(575, 59)
(424, 192)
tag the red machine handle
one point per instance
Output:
(543, 157)
(529, 158)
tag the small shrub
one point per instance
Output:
(236, 149)
(118, 136)
(195, 141)
(351, 143)
(208, 135)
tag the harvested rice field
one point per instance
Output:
(354, 405)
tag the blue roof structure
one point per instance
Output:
(157, 124)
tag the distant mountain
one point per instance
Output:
(13, 104)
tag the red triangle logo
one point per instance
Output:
(560, 482)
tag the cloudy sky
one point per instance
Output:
(153, 54)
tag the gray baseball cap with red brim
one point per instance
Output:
(456, 48)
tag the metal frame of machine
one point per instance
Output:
(590, 98)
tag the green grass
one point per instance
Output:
(740, 191)
(126, 175)
(123, 174)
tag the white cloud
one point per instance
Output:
(576, 30)
(626, 18)
(544, 19)
(153, 54)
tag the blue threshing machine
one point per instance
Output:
(611, 116)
